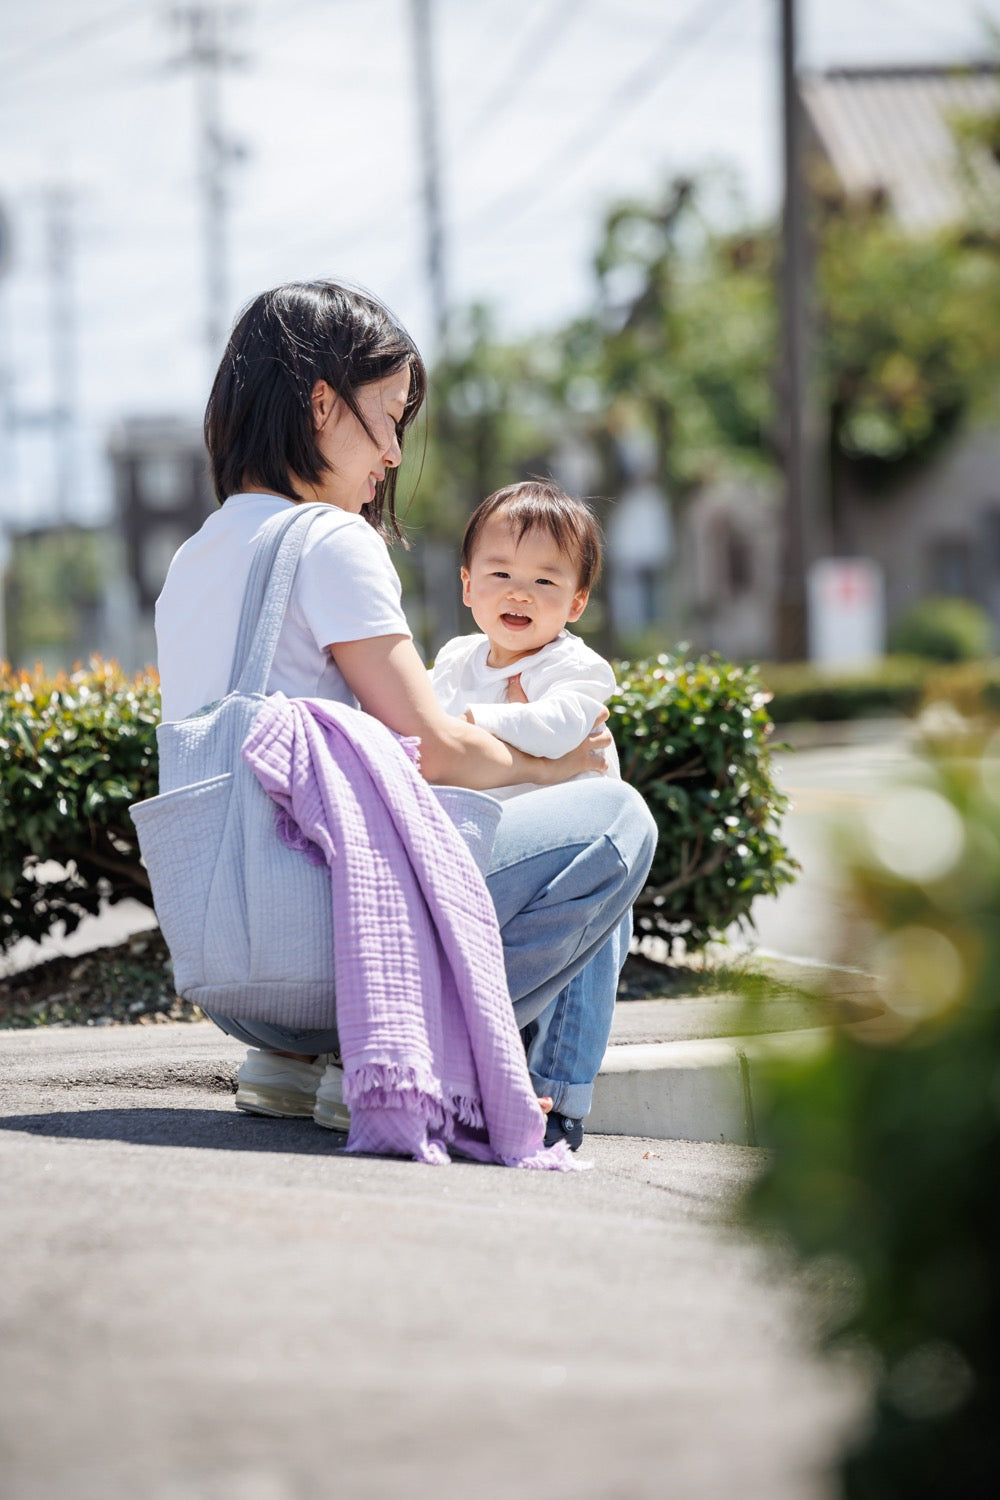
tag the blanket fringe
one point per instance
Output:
(557, 1158)
(394, 1086)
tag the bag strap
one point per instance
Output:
(265, 598)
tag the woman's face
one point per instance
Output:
(356, 464)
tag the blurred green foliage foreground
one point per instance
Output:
(886, 1145)
(77, 749)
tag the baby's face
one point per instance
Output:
(521, 593)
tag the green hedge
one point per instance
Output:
(896, 685)
(803, 692)
(884, 1149)
(943, 629)
(76, 750)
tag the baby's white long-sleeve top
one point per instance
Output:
(566, 684)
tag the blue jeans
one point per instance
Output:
(567, 864)
(567, 1042)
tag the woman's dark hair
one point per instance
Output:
(259, 419)
(538, 504)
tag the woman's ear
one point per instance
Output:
(323, 399)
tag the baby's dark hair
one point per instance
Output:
(540, 505)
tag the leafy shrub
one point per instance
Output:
(692, 737)
(75, 751)
(943, 630)
(884, 1149)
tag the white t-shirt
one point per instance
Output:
(345, 589)
(565, 684)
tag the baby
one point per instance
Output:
(530, 555)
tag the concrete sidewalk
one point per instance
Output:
(202, 1305)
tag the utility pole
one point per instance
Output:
(207, 56)
(423, 59)
(6, 424)
(437, 559)
(792, 623)
(62, 343)
(58, 416)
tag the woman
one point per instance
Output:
(312, 400)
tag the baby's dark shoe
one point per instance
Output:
(564, 1128)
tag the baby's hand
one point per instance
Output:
(515, 692)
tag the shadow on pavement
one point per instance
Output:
(208, 1129)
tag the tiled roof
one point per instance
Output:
(890, 128)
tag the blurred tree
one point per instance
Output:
(978, 138)
(491, 420)
(909, 339)
(55, 582)
(680, 346)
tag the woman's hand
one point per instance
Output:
(587, 758)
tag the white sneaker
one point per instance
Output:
(271, 1085)
(330, 1111)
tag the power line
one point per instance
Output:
(528, 59)
(624, 100)
(68, 41)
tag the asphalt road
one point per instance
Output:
(197, 1305)
(832, 789)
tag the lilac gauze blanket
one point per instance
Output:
(431, 1051)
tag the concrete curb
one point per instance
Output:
(693, 1090)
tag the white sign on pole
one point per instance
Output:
(846, 600)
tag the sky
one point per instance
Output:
(548, 111)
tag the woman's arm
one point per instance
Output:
(391, 683)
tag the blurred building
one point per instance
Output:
(891, 132)
(640, 545)
(886, 134)
(727, 565)
(162, 495)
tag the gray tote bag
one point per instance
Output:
(247, 920)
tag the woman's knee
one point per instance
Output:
(632, 828)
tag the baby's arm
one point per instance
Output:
(561, 712)
(549, 727)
